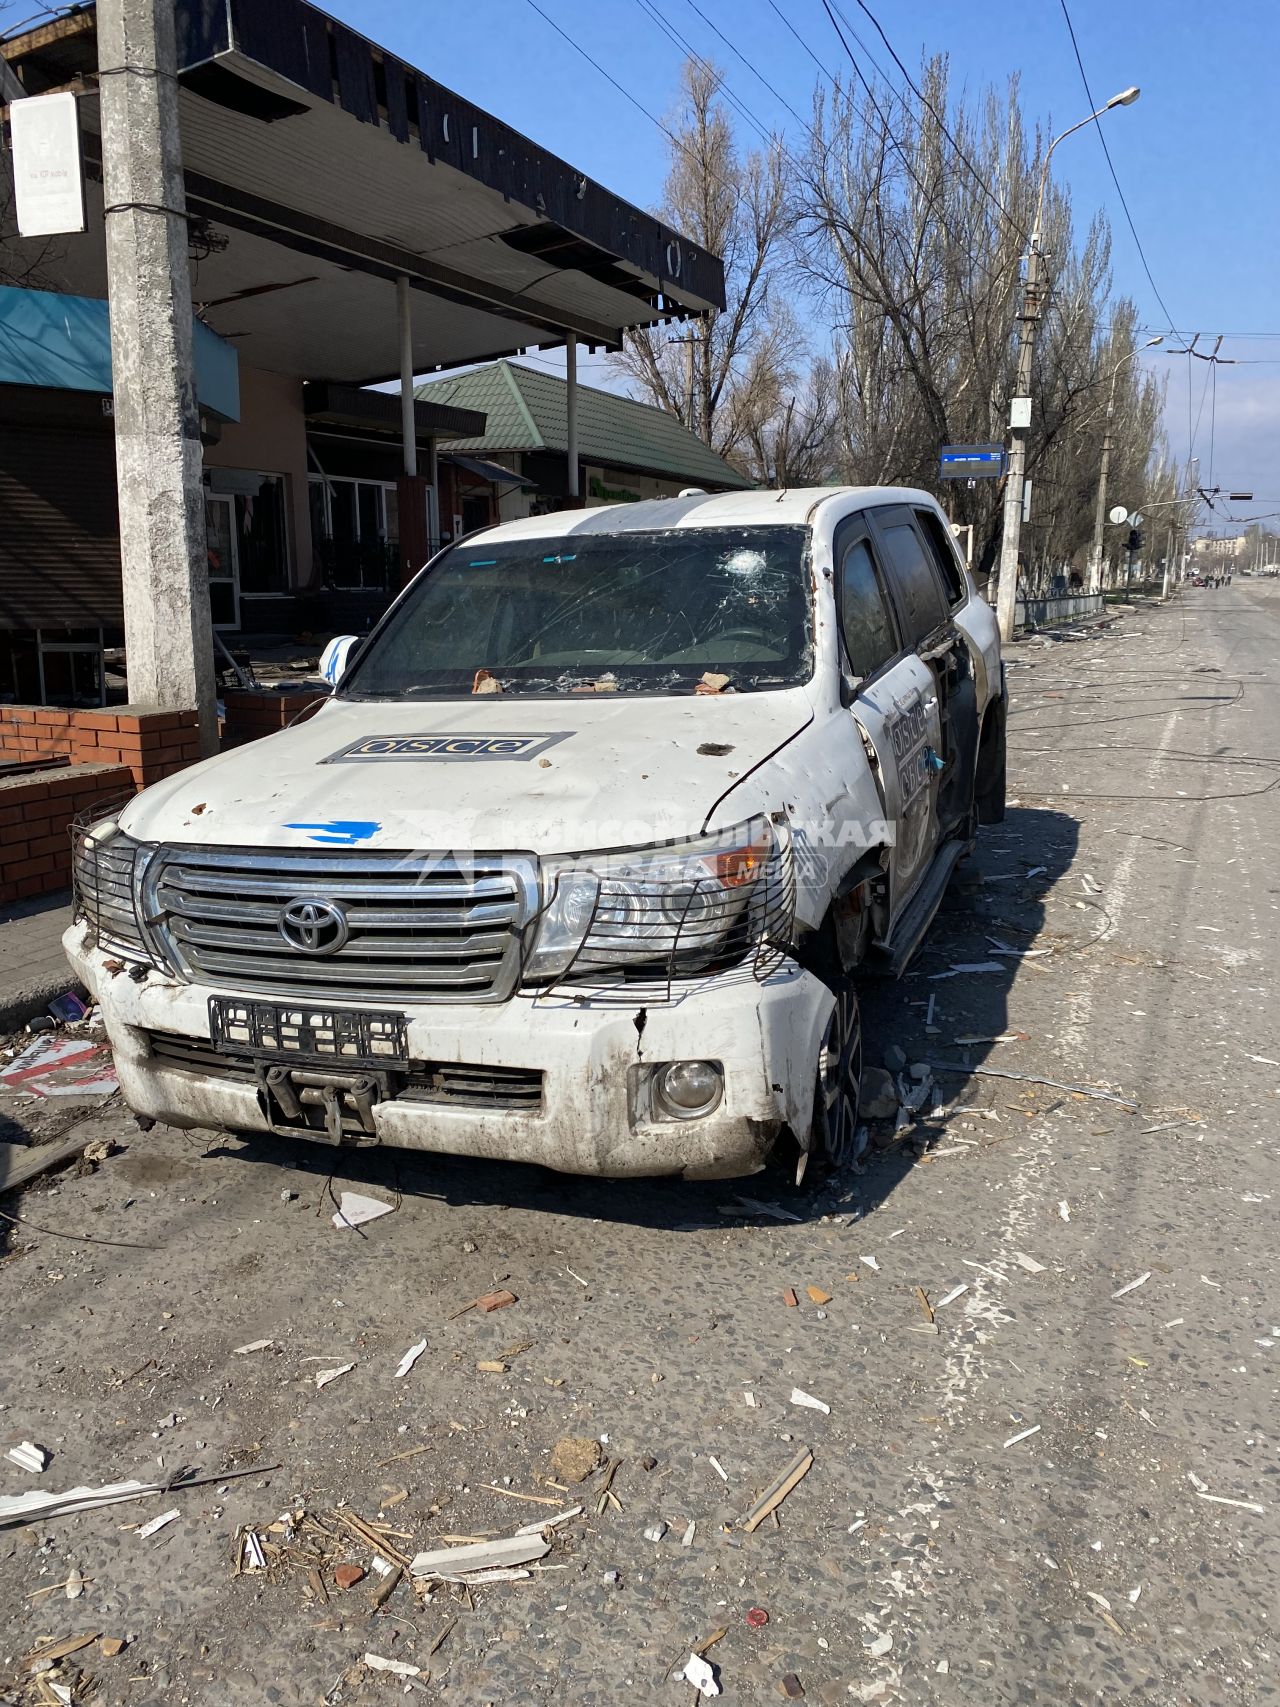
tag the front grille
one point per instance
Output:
(418, 930)
(455, 1083)
(102, 876)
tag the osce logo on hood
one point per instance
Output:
(455, 747)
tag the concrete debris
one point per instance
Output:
(1132, 1286)
(701, 1674)
(817, 1295)
(655, 1531)
(252, 1345)
(348, 1576)
(355, 1209)
(952, 1295)
(1029, 1263)
(1064, 1209)
(74, 1585)
(324, 1376)
(686, 1540)
(574, 1458)
(28, 1456)
(879, 1099)
(718, 1467)
(808, 1402)
(409, 1359)
(504, 1553)
(881, 1645)
(791, 1686)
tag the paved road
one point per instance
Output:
(930, 1555)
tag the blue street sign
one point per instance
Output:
(971, 462)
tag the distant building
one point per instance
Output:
(626, 450)
(1216, 548)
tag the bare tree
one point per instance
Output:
(709, 373)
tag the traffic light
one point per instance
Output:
(1135, 541)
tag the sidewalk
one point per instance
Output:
(33, 968)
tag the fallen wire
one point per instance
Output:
(80, 1238)
(1034, 1079)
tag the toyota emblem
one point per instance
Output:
(313, 927)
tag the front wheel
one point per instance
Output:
(833, 1137)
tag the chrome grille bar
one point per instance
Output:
(417, 928)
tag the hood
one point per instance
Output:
(498, 773)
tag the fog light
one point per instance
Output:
(683, 1090)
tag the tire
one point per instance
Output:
(990, 783)
(833, 1134)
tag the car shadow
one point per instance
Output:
(993, 896)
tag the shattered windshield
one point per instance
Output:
(679, 610)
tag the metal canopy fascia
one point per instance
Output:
(318, 56)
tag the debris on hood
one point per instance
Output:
(711, 682)
(486, 682)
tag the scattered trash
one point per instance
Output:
(749, 1399)
(1221, 1499)
(778, 1490)
(968, 968)
(110, 1646)
(791, 1686)
(504, 1553)
(870, 1262)
(882, 1645)
(757, 1617)
(789, 1298)
(879, 1095)
(354, 1209)
(74, 1585)
(147, 1530)
(487, 1302)
(952, 1295)
(655, 1531)
(807, 1400)
(99, 1151)
(697, 1671)
(37, 1506)
(895, 1057)
(252, 1557)
(574, 1458)
(1132, 1286)
(717, 1467)
(922, 1298)
(41, 1658)
(491, 1366)
(1034, 1079)
(29, 1456)
(409, 1359)
(253, 1345)
(817, 1295)
(540, 1524)
(1029, 1263)
(324, 1376)
(54, 1066)
(774, 1211)
(711, 682)
(686, 1540)
(1001, 1037)
(68, 1008)
(1216, 1285)
(347, 1576)
(375, 1662)
(1064, 1209)
(1025, 1435)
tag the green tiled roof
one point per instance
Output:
(526, 411)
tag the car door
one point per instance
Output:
(894, 703)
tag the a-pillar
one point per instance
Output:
(159, 465)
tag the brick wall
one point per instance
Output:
(153, 744)
(36, 813)
(250, 714)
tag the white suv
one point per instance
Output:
(581, 859)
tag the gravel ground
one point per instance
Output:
(1021, 1501)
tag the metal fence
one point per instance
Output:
(1050, 612)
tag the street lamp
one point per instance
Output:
(1100, 514)
(1020, 407)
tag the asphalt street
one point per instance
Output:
(1062, 1488)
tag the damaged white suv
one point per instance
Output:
(580, 862)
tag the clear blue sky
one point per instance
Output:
(1198, 156)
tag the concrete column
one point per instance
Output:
(408, 424)
(571, 411)
(159, 465)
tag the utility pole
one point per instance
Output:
(1019, 422)
(1100, 511)
(159, 462)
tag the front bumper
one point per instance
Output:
(765, 1033)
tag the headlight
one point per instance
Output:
(103, 874)
(674, 909)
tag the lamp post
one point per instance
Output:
(1100, 514)
(1020, 409)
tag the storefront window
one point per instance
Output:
(261, 537)
(355, 531)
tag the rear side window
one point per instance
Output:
(943, 554)
(870, 636)
(916, 580)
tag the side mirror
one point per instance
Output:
(337, 657)
(848, 689)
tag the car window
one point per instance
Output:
(870, 636)
(924, 606)
(944, 556)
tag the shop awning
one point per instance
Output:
(491, 471)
